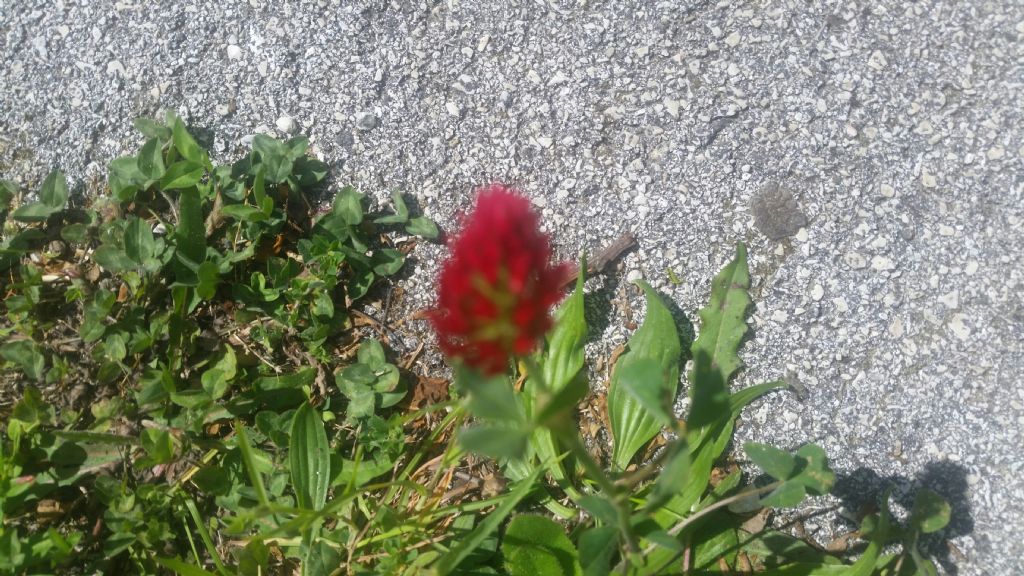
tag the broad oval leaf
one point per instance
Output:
(656, 340)
(183, 174)
(778, 464)
(309, 458)
(187, 146)
(537, 546)
(931, 512)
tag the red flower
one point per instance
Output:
(498, 285)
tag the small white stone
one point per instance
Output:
(855, 260)
(222, 109)
(958, 326)
(114, 67)
(945, 230)
(972, 268)
(841, 305)
(995, 153)
(634, 275)
(558, 79)
(882, 264)
(452, 108)
(877, 60)
(801, 235)
(482, 43)
(817, 292)
(950, 300)
(672, 107)
(928, 179)
(262, 69)
(887, 191)
(287, 125)
(733, 69)
(896, 328)
(545, 141)
(532, 76)
(780, 316)
(733, 39)
(234, 52)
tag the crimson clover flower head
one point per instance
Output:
(497, 287)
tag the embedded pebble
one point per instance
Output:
(287, 124)
(855, 260)
(817, 292)
(366, 120)
(958, 326)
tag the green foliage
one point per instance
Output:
(234, 422)
(536, 546)
(199, 294)
(644, 382)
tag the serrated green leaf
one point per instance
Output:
(310, 460)
(537, 546)
(723, 326)
(930, 513)
(706, 448)
(656, 340)
(778, 464)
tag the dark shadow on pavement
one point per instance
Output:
(861, 492)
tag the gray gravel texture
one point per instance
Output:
(869, 153)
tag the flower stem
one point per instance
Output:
(596, 473)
